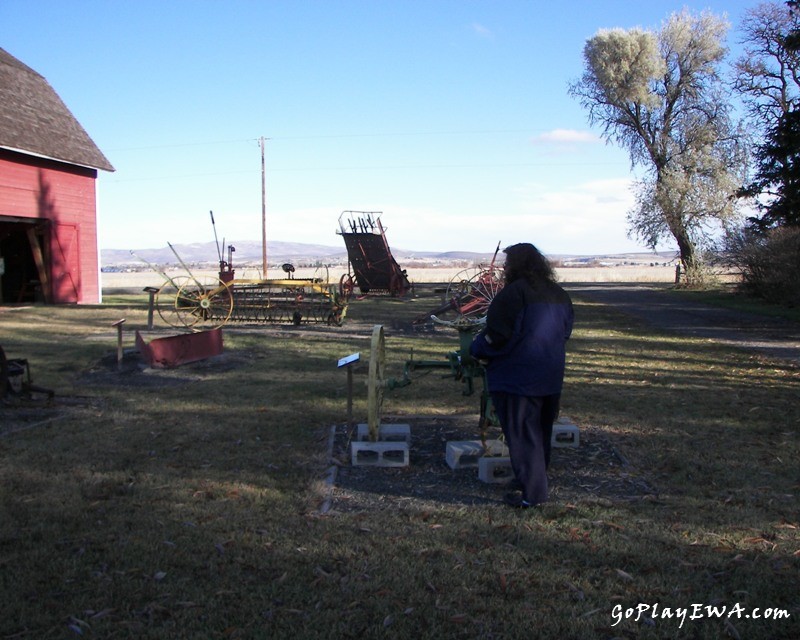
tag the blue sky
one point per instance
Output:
(450, 117)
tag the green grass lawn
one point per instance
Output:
(186, 503)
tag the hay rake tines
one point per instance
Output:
(202, 302)
(293, 301)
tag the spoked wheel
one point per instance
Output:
(208, 300)
(336, 308)
(166, 302)
(397, 286)
(375, 381)
(346, 286)
(459, 284)
(471, 291)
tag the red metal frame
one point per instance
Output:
(371, 266)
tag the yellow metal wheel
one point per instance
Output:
(167, 303)
(208, 300)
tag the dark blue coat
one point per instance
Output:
(525, 338)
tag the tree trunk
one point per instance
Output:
(691, 264)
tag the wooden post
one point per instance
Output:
(118, 324)
(152, 291)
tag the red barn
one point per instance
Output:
(48, 203)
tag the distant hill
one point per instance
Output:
(277, 251)
(245, 251)
(249, 251)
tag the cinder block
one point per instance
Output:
(379, 454)
(565, 435)
(461, 454)
(495, 470)
(386, 432)
(496, 448)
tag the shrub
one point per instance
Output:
(769, 263)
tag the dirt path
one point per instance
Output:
(773, 337)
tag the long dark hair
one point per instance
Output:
(523, 260)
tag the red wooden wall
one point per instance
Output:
(64, 194)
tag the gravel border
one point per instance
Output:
(593, 472)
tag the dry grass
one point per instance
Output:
(184, 504)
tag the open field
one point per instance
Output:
(141, 279)
(188, 503)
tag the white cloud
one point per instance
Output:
(583, 218)
(586, 218)
(565, 136)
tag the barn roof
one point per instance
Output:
(34, 120)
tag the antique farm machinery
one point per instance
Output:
(200, 302)
(15, 379)
(471, 291)
(469, 295)
(458, 365)
(371, 266)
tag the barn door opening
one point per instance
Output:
(24, 256)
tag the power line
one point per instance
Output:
(407, 167)
(325, 136)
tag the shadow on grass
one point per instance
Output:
(191, 509)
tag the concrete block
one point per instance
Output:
(461, 454)
(379, 454)
(495, 470)
(386, 432)
(565, 435)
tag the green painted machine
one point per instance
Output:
(458, 365)
(469, 295)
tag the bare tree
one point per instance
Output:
(660, 95)
(767, 76)
(767, 72)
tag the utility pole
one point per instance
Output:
(263, 214)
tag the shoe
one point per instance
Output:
(516, 501)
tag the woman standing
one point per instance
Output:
(524, 349)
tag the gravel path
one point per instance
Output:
(772, 337)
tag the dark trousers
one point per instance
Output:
(527, 424)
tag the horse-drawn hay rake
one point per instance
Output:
(206, 302)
